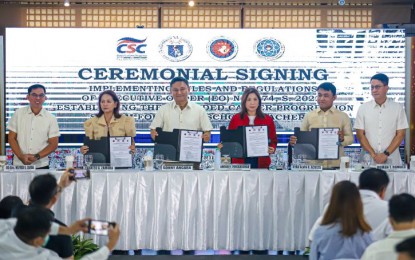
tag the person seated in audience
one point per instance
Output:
(22, 238)
(109, 121)
(402, 219)
(406, 249)
(44, 192)
(251, 114)
(372, 187)
(343, 233)
(8, 204)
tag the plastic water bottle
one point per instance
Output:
(148, 161)
(217, 159)
(285, 160)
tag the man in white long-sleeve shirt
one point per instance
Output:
(22, 238)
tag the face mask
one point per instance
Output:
(46, 240)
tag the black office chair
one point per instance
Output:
(98, 157)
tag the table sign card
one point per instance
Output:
(102, 167)
(187, 167)
(235, 167)
(10, 168)
(304, 167)
(392, 167)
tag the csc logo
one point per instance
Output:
(131, 45)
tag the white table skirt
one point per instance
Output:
(201, 210)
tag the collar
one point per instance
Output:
(402, 234)
(383, 105)
(41, 113)
(369, 194)
(101, 120)
(188, 106)
(332, 110)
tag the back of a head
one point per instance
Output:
(346, 207)
(32, 222)
(373, 179)
(407, 247)
(402, 208)
(42, 189)
(8, 204)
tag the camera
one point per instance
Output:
(80, 174)
(99, 227)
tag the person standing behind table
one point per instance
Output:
(328, 116)
(251, 114)
(180, 113)
(344, 232)
(381, 123)
(109, 121)
(33, 131)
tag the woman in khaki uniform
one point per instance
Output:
(109, 121)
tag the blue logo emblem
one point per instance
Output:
(175, 48)
(269, 48)
(222, 49)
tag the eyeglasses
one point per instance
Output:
(34, 95)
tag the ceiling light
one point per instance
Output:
(66, 3)
(191, 3)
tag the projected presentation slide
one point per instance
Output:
(285, 65)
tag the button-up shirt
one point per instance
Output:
(33, 132)
(385, 249)
(332, 118)
(380, 123)
(192, 117)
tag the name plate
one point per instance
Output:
(303, 167)
(25, 168)
(391, 167)
(177, 167)
(101, 167)
(235, 167)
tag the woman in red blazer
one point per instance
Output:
(251, 114)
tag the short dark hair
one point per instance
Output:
(407, 246)
(381, 77)
(8, 204)
(327, 86)
(35, 86)
(373, 179)
(115, 98)
(32, 222)
(402, 208)
(42, 189)
(179, 79)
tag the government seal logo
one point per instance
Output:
(222, 49)
(269, 48)
(175, 48)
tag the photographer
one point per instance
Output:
(23, 238)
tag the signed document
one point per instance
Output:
(328, 143)
(191, 146)
(120, 151)
(256, 141)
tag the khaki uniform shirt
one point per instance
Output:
(96, 127)
(331, 118)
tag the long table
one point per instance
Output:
(201, 210)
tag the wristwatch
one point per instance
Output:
(386, 153)
(37, 156)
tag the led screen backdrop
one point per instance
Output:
(285, 65)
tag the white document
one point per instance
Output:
(328, 143)
(120, 151)
(190, 146)
(256, 141)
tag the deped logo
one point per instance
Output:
(131, 45)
